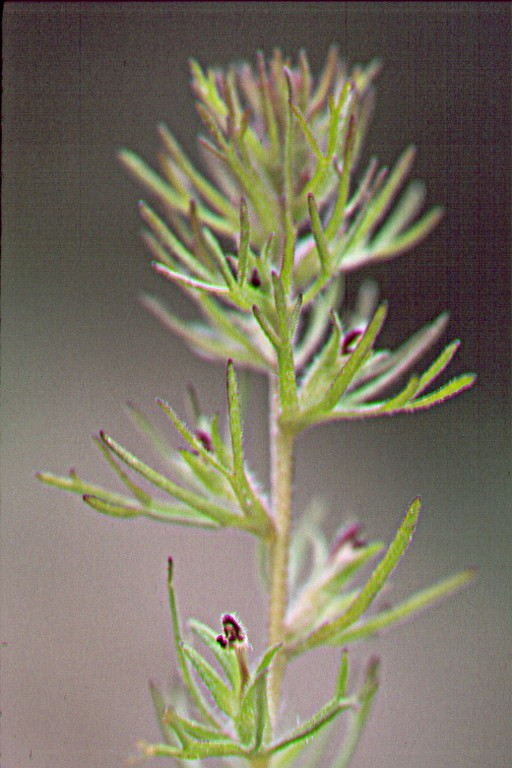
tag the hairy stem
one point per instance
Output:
(281, 471)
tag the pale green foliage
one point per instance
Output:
(262, 247)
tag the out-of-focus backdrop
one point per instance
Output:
(85, 621)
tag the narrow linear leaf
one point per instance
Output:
(245, 238)
(317, 375)
(380, 204)
(342, 680)
(287, 380)
(145, 426)
(454, 387)
(210, 193)
(371, 589)
(338, 213)
(188, 680)
(403, 397)
(189, 436)
(150, 179)
(160, 707)
(253, 720)
(406, 609)
(217, 688)
(267, 658)
(222, 263)
(410, 238)
(172, 244)
(113, 510)
(311, 726)
(347, 373)
(189, 730)
(356, 359)
(307, 132)
(360, 718)
(189, 282)
(75, 484)
(266, 327)
(140, 494)
(401, 360)
(322, 245)
(225, 656)
(438, 365)
(201, 504)
(235, 421)
(402, 214)
(205, 476)
(196, 750)
(263, 724)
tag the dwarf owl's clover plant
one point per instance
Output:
(263, 245)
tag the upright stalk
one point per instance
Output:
(281, 477)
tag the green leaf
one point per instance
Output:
(205, 477)
(438, 365)
(412, 236)
(266, 660)
(199, 503)
(75, 484)
(189, 282)
(371, 589)
(382, 374)
(245, 239)
(210, 193)
(311, 726)
(191, 438)
(357, 358)
(360, 718)
(235, 422)
(454, 387)
(308, 134)
(403, 397)
(322, 245)
(188, 680)
(114, 510)
(338, 213)
(341, 682)
(140, 494)
(195, 751)
(420, 601)
(226, 657)
(217, 688)
(287, 381)
(348, 371)
(189, 731)
(253, 721)
(160, 707)
(266, 327)
(172, 244)
(322, 369)
(145, 426)
(381, 203)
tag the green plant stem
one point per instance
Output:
(281, 471)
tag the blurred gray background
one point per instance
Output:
(84, 608)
